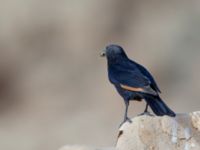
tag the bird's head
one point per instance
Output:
(113, 52)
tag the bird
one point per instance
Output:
(133, 82)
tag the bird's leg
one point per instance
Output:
(146, 108)
(126, 114)
(146, 111)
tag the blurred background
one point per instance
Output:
(53, 84)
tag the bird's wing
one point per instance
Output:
(130, 78)
(147, 74)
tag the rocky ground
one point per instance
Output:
(156, 133)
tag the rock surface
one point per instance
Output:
(156, 133)
(76, 147)
(161, 133)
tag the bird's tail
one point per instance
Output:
(158, 106)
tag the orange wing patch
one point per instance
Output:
(146, 89)
(131, 88)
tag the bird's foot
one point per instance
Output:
(125, 120)
(128, 119)
(146, 113)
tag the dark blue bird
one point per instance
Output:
(133, 82)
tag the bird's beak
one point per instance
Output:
(103, 53)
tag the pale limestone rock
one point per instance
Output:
(156, 133)
(196, 120)
(76, 147)
(161, 133)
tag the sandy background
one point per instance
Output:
(53, 84)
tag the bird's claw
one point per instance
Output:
(146, 113)
(125, 120)
(128, 119)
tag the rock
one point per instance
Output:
(156, 133)
(76, 147)
(161, 133)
